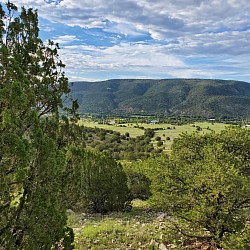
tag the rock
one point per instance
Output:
(152, 242)
(70, 211)
(77, 229)
(171, 246)
(129, 247)
(162, 247)
(205, 247)
(162, 216)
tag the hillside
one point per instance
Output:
(189, 97)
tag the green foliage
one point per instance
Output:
(96, 182)
(31, 161)
(205, 184)
(121, 147)
(138, 182)
(149, 133)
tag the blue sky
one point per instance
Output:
(107, 39)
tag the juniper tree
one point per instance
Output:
(96, 183)
(32, 85)
(205, 186)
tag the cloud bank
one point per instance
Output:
(149, 38)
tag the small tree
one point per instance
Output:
(149, 133)
(127, 134)
(205, 184)
(97, 182)
(138, 182)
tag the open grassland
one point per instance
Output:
(121, 128)
(170, 132)
(173, 130)
(166, 132)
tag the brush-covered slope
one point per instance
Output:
(191, 97)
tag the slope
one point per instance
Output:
(190, 97)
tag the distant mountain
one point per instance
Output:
(189, 97)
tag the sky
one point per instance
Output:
(156, 39)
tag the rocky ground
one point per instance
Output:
(136, 230)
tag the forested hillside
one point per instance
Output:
(190, 97)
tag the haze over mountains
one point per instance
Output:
(189, 97)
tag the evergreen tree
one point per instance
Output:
(96, 182)
(205, 186)
(32, 84)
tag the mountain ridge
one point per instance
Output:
(189, 97)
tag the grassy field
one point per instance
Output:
(138, 229)
(167, 132)
(134, 132)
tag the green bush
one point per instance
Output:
(127, 134)
(149, 132)
(159, 143)
(98, 183)
(139, 185)
(138, 182)
(205, 186)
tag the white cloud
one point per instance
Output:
(179, 30)
(62, 40)
(161, 18)
(146, 61)
(143, 58)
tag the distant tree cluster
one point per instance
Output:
(121, 147)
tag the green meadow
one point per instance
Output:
(167, 132)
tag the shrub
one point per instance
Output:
(205, 185)
(127, 134)
(138, 182)
(149, 132)
(98, 182)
